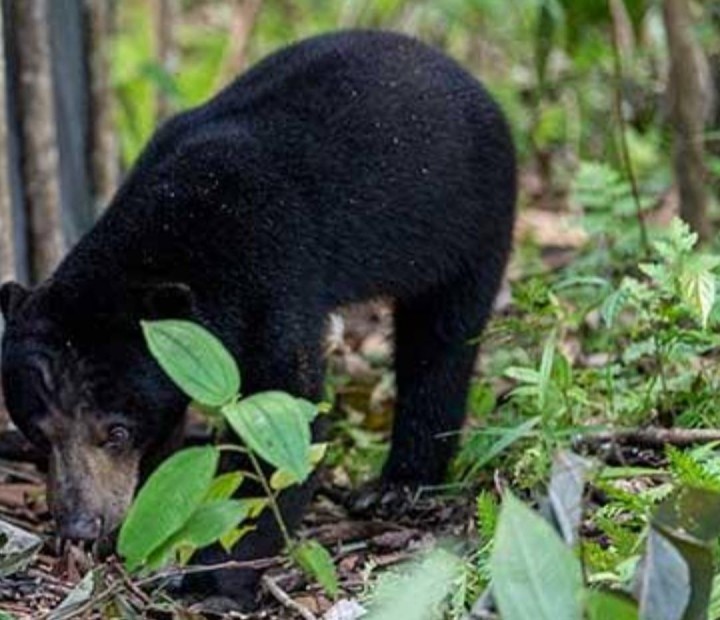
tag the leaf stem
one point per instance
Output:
(274, 506)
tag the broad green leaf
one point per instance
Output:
(662, 582)
(315, 560)
(194, 359)
(691, 514)
(224, 486)
(567, 483)
(610, 606)
(275, 426)
(535, 575)
(211, 521)
(688, 520)
(418, 594)
(700, 562)
(165, 502)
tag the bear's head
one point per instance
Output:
(81, 385)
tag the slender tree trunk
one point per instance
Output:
(103, 147)
(624, 35)
(40, 149)
(689, 106)
(166, 13)
(244, 17)
(7, 246)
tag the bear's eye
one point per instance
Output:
(117, 437)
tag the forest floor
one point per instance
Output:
(361, 352)
(359, 547)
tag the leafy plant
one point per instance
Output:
(273, 426)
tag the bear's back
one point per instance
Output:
(364, 160)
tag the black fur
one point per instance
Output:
(346, 167)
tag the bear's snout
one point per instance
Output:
(79, 526)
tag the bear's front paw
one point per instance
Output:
(224, 605)
(382, 499)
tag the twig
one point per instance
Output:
(284, 599)
(133, 587)
(203, 568)
(649, 437)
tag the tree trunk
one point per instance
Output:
(165, 16)
(40, 149)
(103, 147)
(7, 247)
(244, 17)
(689, 106)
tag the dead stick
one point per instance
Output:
(650, 437)
(204, 568)
(284, 599)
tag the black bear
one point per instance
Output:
(347, 167)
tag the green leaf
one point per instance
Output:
(610, 606)
(194, 359)
(546, 366)
(276, 426)
(224, 486)
(507, 438)
(613, 305)
(316, 562)
(697, 288)
(690, 513)
(481, 399)
(282, 479)
(567, 483)
(229, 539)
(535, 575)
(662, 583)
(700, 561)
(419, 594)
(165, 503)
(688, 520)
(211, 521)
(524, 375)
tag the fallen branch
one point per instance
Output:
(651, 437)
(284, 599)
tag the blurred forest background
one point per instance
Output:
(87, 81)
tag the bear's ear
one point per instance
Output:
(165, 300)
(12, 295)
